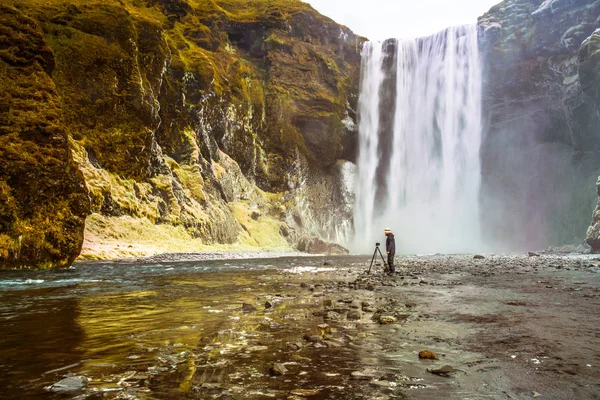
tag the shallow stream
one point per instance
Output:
(103, 320)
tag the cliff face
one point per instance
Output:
(43, 200)
(542, 137)
(194, 123)
(589, 75)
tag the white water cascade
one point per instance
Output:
(419, 137)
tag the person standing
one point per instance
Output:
(390, 248)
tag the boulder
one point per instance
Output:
(318, 246)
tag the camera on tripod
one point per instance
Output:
(375, 255)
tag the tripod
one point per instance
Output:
(373, 259)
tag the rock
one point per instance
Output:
(268, 305)
(532, 72)
(327, 303)
(353, 315)
(305, 392)
(331, 316)
(317, 246)
(532, 254)
(365, 375)
(39, 180)
(478, 257)
(385, 319)
(383, 384)
(70, 384)
(446, 370)
(298, 357)
(294, 346)
(334, 343)
(427, 355)
(211, 385)
(248, 308)
(324, 329)
(314, 338)
(277, 369)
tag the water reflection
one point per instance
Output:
(105, 321)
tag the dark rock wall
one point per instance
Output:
(157, 97)
(589, 76)
(542, 126)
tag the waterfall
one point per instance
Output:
(419, 135)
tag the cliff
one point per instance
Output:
(192, 123)
(542, 125)
(589, 74)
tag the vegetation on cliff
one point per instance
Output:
(43, 200)
(183, 112)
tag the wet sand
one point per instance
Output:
(512, 327)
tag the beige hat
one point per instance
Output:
(387, 230)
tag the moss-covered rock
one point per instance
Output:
(43, 201)
(187, 112)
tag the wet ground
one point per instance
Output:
(512, 327)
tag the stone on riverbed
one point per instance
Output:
(353, 315)
(446, 370)
(306, 392)
(331, 316)
(70, 384)
(385, 319)
(277, 369)
(248, 308)
(364, 375)
(427, 355)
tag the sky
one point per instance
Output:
(383, 19)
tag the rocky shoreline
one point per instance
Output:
(510, 326)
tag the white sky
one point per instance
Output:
(383, 19)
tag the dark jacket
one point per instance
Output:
(390, 244)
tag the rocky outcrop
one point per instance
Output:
(43, 199)
(192, 125)
(542, 126)
(589, 76)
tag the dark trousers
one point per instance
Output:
(391, 262)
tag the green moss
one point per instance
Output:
(147, 89)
